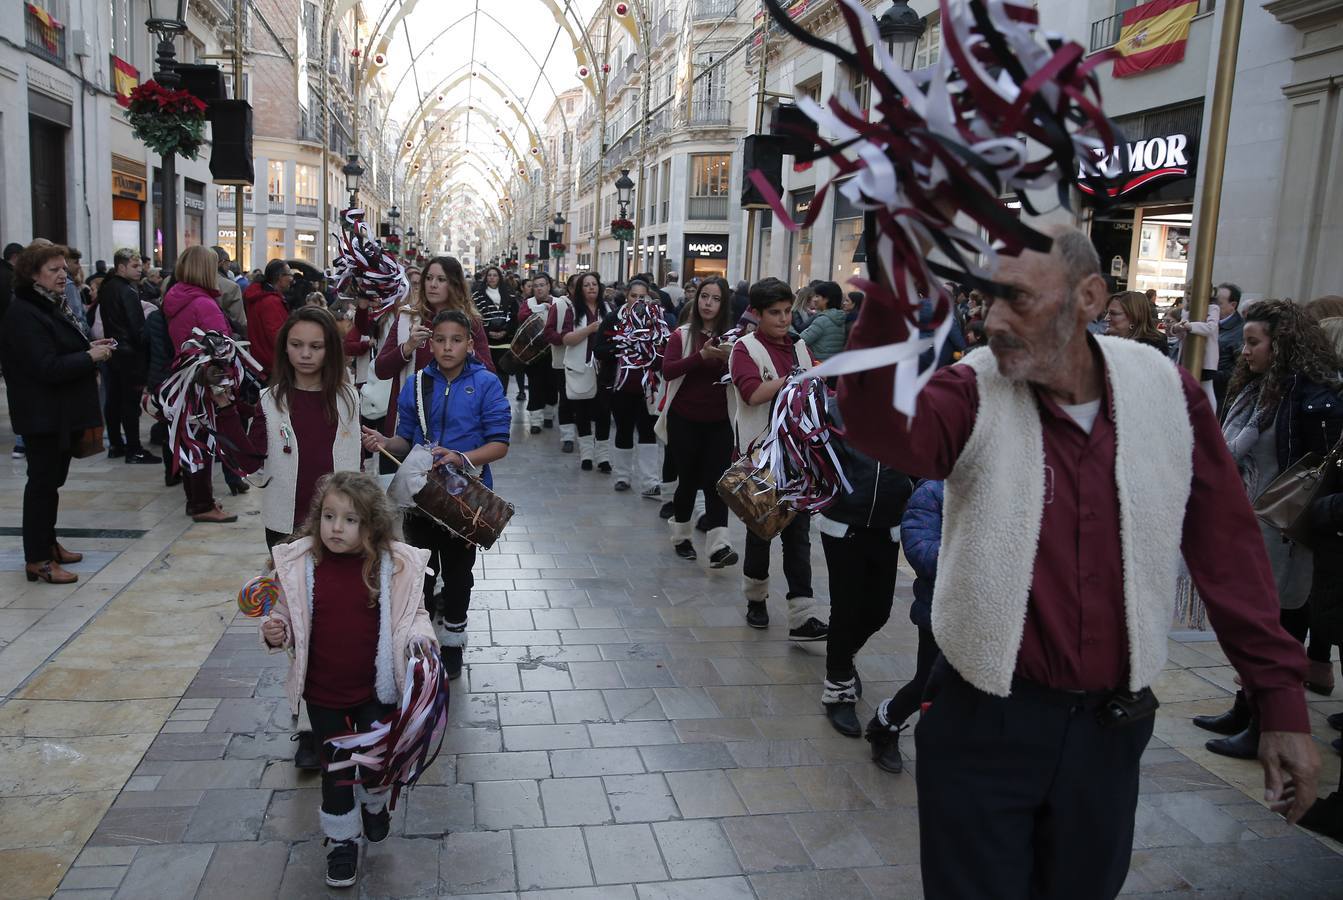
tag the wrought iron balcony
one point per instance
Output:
(711, 112)
(47, 41)
(1105, 32)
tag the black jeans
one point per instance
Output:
(631, 414)
(497, 354)
(451, 557)
(1296, 622)
(338, 799)
(48, 467)
(121, 407)
(862, 569)
(796, 538)
(541, 380)
(700, 453)
(1023, 796)
(908, 698)
(593, 414)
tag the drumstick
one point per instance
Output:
(383, 451)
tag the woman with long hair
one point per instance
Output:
(406, 349)
(629, 405)
(694, 419)
(498, 306)
(1282, 402)
(1129, 315)
(574, 336)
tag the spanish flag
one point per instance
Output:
(125, 78)
(1154, 35)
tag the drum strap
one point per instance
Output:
(422, 388)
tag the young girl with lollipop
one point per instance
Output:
(349, 611)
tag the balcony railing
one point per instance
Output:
(305, 206)
(47, 41)
(711, 112)
(707, 208)
(276, 203)
(225, 198)
(713, 10)
(1105, 32)
(662, 27)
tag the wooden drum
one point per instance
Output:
(529, 345)
(748, 490)
(462, 504)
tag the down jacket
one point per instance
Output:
(826, 333)
(403, 615)
(921, 533)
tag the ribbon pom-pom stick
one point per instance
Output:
(640, 339)
(365, 270)
(797, 450)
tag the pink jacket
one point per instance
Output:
(187, 306)
(403, 615)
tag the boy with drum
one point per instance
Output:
(462, 413)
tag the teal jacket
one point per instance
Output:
(825, 335)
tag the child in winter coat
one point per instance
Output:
(349, 612)
(921, 531)
(458, 407)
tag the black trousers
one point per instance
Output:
(385, 465)
(1026, 796)
(496, 354)
(566, 406)
(631, 414)
(451, 557)
(541, 379)
(862, 569)
(1296, 622)
(593, 414)
(338, 799)
(796, 538)
(908, 698)
(121, 407)
(48, 467)
(699, 452)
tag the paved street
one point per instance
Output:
(620, 733)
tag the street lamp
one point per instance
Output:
(531, 248)
(624, 193)
(168, 19)
(900, 25)
(353, 170)
(559, 222)
(394, 213)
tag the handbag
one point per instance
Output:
(580, 376)
(89, 443)
(1285, 503)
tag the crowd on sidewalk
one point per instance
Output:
(1036, 645)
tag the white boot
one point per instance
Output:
(650, 471)
(623, 464)
(569, 432)
(550, 414)
(604, 452)
(756, 591)
(680, 531)
(587, 448)
(715, 543)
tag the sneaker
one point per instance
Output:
(535, 429)
(342, 864)
(810, 630)
(885, 741)
(452, 662)
(142, 458)
(722, 557)
(116, 452)
(652, 493)
(621, 485)
(376, 824)
(667, 511)
(604, 468)
(305, 756)
(586, 465)
(567, 447)
(17, 453)
(685, 550)
(757, 616)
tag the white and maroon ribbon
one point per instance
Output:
(797, 451)
(364, 269)
(640, 339)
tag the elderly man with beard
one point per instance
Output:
(1078, 469)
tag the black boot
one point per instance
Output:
(757, 616)
(376, 824)
(1241, 746)
(843, 718)
(885, 741)
(1233, 721)
(305, 756)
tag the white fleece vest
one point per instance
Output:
(277, 500)
(749, 422)
(558, 354)
(995, 503)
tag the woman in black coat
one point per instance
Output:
(50, 371)
(498, 306)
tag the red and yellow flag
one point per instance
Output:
(1154, 35)
(125, 78)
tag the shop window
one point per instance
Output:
(275, 244)
(228, 239)
(275, 185)
(305, 246)
(709, 186)
(306, 189)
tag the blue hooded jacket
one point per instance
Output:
(467, 413)
(921, 533)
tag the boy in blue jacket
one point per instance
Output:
(921, 533)
(467, 417)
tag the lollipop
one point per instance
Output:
(258, 596)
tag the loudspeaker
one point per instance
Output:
(231, 158)
(763, 152)
(545, 250)
(384, 229)
(789, 123)
(205, 82)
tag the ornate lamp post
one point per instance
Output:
(531, 250)
(168, 19)
(353, 170)
(900, 25)
(624, 193)
(559, 222)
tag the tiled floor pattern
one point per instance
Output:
(619, 734)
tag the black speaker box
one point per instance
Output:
(231, 158)
(763, 152)
(205, 82)
(789, 123)
(545, 249)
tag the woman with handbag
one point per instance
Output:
(51, 375)
(572, 334)
(1282, 402)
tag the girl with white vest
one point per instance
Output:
(306, 424)
(694, 422)
(571, 331)
(629, 407)
(760, 365)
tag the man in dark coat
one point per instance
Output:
(1230, 337)
(12, 252)
(124, 321)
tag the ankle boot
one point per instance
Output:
(50, 572)
(1241, 746)
(1233, 721)
(63, 556)
(1319, 676)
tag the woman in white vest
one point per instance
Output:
(306, 424)
(571, 331)
(760, 365)
(694, 422)
(543, 376)
(629, 408)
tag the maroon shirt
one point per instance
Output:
(556, 330)
(746, 374)
(1075, 636)
(700, 398)
(343, 643)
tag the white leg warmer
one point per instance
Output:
(839, 692)
(344, 827)
(450, 634)
(800, 609)
(569, 432)
(755, 589)
(587, 448)
(680, 531)
(550, 412)
(374, 803)
(604, 451)
(650, 466)
(716, 540)
(622, 462)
